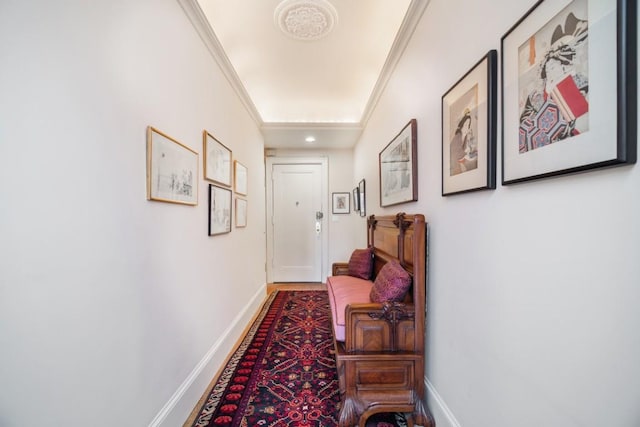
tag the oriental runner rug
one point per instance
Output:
(283, 373)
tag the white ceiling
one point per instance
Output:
(295, 88)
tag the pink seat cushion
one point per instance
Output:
(345, 290)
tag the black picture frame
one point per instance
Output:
(356, 199)
(220, 210)
(340, 203)
(362, 198)
(572, 123)
(469, 132)
(398, 167)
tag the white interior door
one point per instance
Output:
(297, 223)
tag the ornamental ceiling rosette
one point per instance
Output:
(306, 19)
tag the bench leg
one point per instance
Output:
(350, 412)
(421, 414)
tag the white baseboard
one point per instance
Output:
(439, 409)
(176, 411)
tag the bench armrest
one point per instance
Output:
(340, 269)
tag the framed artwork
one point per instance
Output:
(569, 89)
(217, 160)
(241, 213)
(341, 203)
(398, 168)
(362, 199)
(240, 181)
(356, 199)
(172, 170)
(469, 120)
(219, 210)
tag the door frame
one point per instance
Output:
(324, 197)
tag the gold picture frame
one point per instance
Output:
(240, 178)
(241, 213)
(172, 170)
(216, 159)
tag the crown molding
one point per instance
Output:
(407, 28)
(201, 24)
(199, 21)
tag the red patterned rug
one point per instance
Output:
(284, 371)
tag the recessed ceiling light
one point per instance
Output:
(310, 139)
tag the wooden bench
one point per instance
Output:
(381, 360)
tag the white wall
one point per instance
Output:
(113, 309)
(533, 288)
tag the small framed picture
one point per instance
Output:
(217, 160)
(219, 210)
(398, 169)
(341, 203)
(362, 201)
(172, 170)
(240, 178)
(241, 213)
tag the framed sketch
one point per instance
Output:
(172, 170)
(469, 129)
(217, 160)
(341, 203)
(398, 169)
(219, 210)
(241, 213)
(356, 199)
(240, 178)
(569, 89)
(362, 199)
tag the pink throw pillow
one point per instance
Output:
(391, 284)
(361, 263)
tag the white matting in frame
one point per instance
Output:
(240, 178)
(567, 69)
(219, 210)
(241, 213)
(398, 169)
(217, 160)
(172, 170)
(469, 129)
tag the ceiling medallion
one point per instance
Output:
(306, 19)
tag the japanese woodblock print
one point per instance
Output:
(469, 129)
(463, 129)
(553, 80)
(569, 80)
